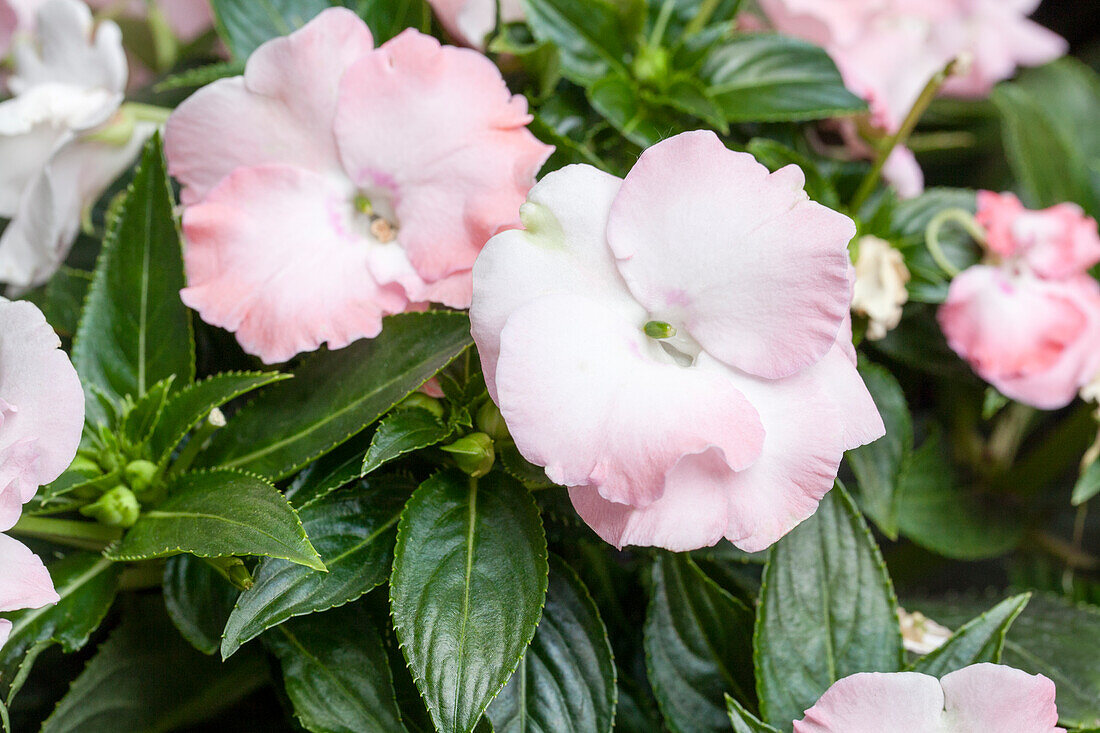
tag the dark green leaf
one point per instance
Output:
(198, 600)
(621, 103)
(745, 722)
(245, 24)
(688, 95)
(190, 406)
(336, 672)
(940, 514)
(469, 580)
(980, 640)
(761, 77)
(519, 468)
(827, 610)
(87, 584)
(387, 18)
(878, 464)
(404, 431)
(1088, 485)
(61, 299)
(590, 34)
(135, 331)
(698, 643)
(139, 421)
(566, 680)
(329, 473)
(684, 11)
(336, 394)
(217, 514)
(146, 679)
(354, 530)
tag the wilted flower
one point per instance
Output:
(68, 84)
(920, 634)
(880, 292)
(1028, 320)
(335, 183)
(670, 346)
(471, 21)
(981, 697)
(41, 418)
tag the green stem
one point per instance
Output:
(867, 187)
(86, 535)
(232, 569)
(659, 27)
(961, 217)
(702, 17)
(927, 142)
(213, 422)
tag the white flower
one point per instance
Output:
(880, 290)
(920, 634)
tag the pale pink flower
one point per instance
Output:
(16, 17)
(471, 21)
(188, 19)
(981, 697)
(41, 419)
(335, 183)
(734, 425)
(68, 84)
(1028, 321)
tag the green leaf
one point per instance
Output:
(469, 580)
(246, 24)
(87, 585)
(910, 219)
(217, 514)
(566, 680)
(745, 722)
(762, 77)
(590, 34)
(61, 299)
(354, 530)
(519, 468)
(135, 330)
(335, 394)
(980, 640)
(775, 155)
(1051, 637)
(199, 76)
(684, 11)
(191, 405)
(139, 421)
(941, 515)
(387, 18)
(336, 672)
(403, 432)
(1088, 485)
(146, 679)
(878, 464)
(329, 473)
(621, 103)
(688, 95)
(698, 644)
(198, 600)
(827, 610)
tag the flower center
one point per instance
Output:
(379, 216)
(673, 345)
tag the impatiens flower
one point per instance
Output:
(1028, 320)
(471, 21)
(880, 292)
(16, 16)
(675, 347)
(975, 699)
(41, 418)
(335, 183)
(68, 84)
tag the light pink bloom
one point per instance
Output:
(471, 21)
(714, 432)
(1029, 323)
(982, 697)
(188, 19)
(335, 183)
(41, 419)
(16, 17)
(68, 84)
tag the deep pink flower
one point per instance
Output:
(982, 697)
(335, 183)
(471, 21)
(716, 430)
(1030, 323)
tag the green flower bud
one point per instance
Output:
(474, 453)
(491, 422)
(117, 508)
(86, 466)
(651, 65)
(423, 402)
(140, 475)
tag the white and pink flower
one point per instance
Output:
(41, 419)
(471, 21)
(670, 346)
(981, 697)
(335, 183)
(1028, 320)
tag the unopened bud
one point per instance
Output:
(474, 453)
(216, 418)
(651, 65)
(117, 508)
(86, 466)
(421, 401)
(491, 422)
(140, 475)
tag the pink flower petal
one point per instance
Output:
(997, 698)
(471, 21)
(875, 702)
(280, 112)
(24, 581)
(709, 240)
(589, 396)
(437, 131)
(1057, 242)
(279, 256)
(561, 250)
